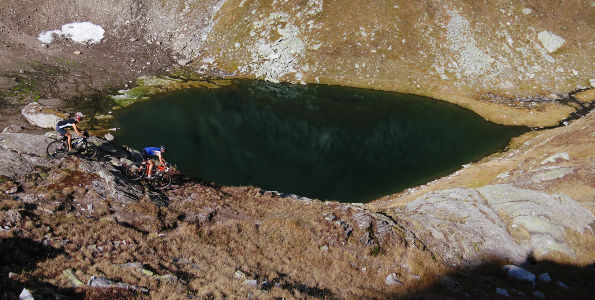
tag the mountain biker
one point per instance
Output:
(149, 153)
(70, 123)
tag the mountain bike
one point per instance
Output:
(80, 146)
(160, 179)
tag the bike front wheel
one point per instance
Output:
(87, 150)
(162, 181)
(57, 149)
(135, 171)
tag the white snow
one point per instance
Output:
(84, 32)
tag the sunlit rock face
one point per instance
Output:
(467, 225)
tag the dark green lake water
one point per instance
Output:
(324, 142)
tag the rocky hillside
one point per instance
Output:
(511, 62)
(75, 228)
(70, 226)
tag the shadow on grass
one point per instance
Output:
(481, 282)
(20, 256)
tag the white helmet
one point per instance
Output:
(78, 116)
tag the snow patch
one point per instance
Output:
(85, 32)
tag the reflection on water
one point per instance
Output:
(323, 142)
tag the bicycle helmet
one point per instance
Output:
(78, 116)
(162, 148)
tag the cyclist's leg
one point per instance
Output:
(151, 164)
(65, 135)
(69, 139)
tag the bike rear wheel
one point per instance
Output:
(162, 181)
(135, 171)
(57, 149)
(87, 150)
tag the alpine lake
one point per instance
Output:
(318, 141)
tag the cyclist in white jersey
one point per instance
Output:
(70, 123)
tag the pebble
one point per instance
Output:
(545, 277)
(502, 292)
(538, 295)
(563, 285)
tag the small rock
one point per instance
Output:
(67, 191)
(12, 275)
(133, 39)
(26, 295)
(324, 248)
(251, 282)
(519, 273)
(329, 216)
(104, 282)
(502, 292)
(77, 52)
(8, 186)
(550, 41)
(392, 279)
(592, 82)
(69, 274)
(239, 275)
(108, 136)
(538, 295)
(12, 129)
(527, 11)
(451, 284)
(183, 62)
(555, 157)
(563, 285)
(545, 277)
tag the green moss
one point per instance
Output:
(26, 88)
(376, 251)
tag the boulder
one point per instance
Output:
(42, 116)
